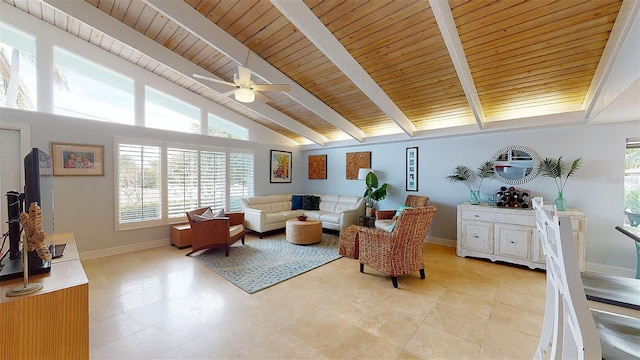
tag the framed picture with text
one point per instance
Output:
(412, 169)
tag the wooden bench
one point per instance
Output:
(181, 235)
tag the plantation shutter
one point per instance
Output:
(182, 181)
(139, 183)
(240, 177)
(213, 179)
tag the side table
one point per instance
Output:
(368, 221)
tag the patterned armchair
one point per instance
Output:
(398, 252)
(384, 218)
(215, 232)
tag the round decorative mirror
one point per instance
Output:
(516, 164)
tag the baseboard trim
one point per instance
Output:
(610, 270)
(441, 241)
(117, 250)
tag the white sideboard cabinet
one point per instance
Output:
(509, 235)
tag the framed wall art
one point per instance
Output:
(280, 171)
(77, 159)
(357, 161)
(317, 167)
(412, 169)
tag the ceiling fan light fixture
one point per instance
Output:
(245, 95)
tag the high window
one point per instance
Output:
(195, 177)
(223, 128)
(163, 111)
(632, 183)
(17, 69)
(91, 91)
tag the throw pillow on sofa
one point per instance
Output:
(310, 202)
(297, 202)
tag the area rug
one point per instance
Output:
(263, 263)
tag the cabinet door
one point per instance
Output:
(513, 240)
(478, 236)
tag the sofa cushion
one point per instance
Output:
(330, 217)
(400, 208)
(313, 214)
(327, 206)
(280, 206)
(296, 202)
(311, 202)
(274, 218)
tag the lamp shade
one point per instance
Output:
(244, 95)
(362, 173)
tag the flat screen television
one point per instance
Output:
(38, 187)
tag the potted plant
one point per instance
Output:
(464, 174)
(373, 193)
(557, 169)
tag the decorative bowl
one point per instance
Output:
(302, 218)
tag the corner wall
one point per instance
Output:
(596, 189)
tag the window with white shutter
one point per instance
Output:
(213, 174)
(139, 184)
(182, 181)
(240, 178)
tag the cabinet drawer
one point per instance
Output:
(525, 217)
(513, 241)
(477, 236)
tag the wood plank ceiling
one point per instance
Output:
(525, 58)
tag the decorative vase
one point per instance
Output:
(474, 197)
(561, 203)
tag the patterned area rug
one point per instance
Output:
(263, 263)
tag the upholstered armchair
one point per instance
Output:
(211, 232)
(398, 252)
(385, 218)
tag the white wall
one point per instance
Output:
(85, 205)
(596, 189)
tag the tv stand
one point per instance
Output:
(52, 323)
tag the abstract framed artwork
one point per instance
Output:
(77, 159)
(357, 161)
(317, 167)
(280, 171)
(412, 169)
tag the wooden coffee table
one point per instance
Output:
(304, 232)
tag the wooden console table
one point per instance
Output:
(52, 323)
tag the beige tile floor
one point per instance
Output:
(159, 304)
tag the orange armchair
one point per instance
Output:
(398, 252)
(215, 232)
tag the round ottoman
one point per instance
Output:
(304, 232)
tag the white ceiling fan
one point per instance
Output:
(246, 90)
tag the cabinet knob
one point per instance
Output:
(513, 242)
(476, 215)
(476, 236)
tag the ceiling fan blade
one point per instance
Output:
(214, 80)
(273, 87)
(261, 97)
(229, 93)
(244, 74)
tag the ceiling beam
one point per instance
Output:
(207, 31)
(100, 21)
(306, 21)
(444, 18)
(599, 96)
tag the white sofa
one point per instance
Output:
(271, 212)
